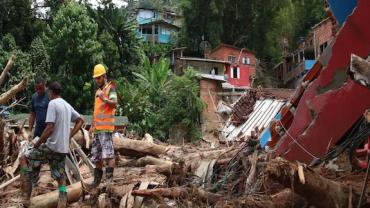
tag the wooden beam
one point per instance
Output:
(13, 91)
(50, 199)
(6, 70)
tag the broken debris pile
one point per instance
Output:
(244, 106)
(151, 174)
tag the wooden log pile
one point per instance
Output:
(239, 176)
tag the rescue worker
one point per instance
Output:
(103, 125)
(39, 106)
(53, 145)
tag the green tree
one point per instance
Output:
(261, 25)
(17, 18)
(22, 67)
(74, 50)
(121, 26)
(40, 59)
(54, 6)
(159, 100)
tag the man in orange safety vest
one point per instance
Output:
(103, 125)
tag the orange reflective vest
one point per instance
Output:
(103, 114)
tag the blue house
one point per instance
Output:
(157, 26)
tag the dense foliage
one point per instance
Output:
(159, 100)
(260, 25)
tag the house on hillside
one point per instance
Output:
(201, 66)
(157, 26)
(323, 33)
(294, 65)
(241, 67)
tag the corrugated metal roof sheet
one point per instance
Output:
(263, 113)
(213, 77)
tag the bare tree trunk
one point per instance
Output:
(138, 148)
(179, 193)
(317, 190)
(13, 91)
(5, 72)
(50, 200)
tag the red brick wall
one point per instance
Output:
(246, 71)
(323, 33)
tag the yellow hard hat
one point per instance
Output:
(99, 70)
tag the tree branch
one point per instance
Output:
(5, 72)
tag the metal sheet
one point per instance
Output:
(263, 113)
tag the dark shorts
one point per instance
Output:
(102, 147)
(43, 155)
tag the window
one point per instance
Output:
(147, 31)
(232, 59)
(301, 56)
(246, 60)
(235, 72)
(146, 14)
(156, 29)
(166, 31)
(323, 46)
(290, 68)
(214, 71)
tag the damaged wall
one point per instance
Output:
(331, 105)
(208, 93)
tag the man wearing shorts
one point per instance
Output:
(103, 125)
(53, 145)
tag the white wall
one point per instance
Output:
(146, 14)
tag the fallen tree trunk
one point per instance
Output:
(130, 147)
(285, 198)
(179, 193)
(6, 70)
(172, 193)
(317, 190)
(149, 160)
(137, 148)
(162, 169)
(13, 91)
(50, 200)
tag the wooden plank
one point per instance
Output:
(139, 199)
(124, 201)
(130, 200)
(9, 182)
(84, 157)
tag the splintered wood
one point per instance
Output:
(237, 176)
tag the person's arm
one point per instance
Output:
(31, 118)
(112, 98)
(78, 120)
(78, 124)
(50, 121)
(45, 134)
(31, 121)
(111, 103)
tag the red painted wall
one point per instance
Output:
(223, 52)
